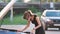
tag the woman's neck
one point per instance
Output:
(32, 18)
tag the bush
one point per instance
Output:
(33, 9)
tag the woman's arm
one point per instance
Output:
(28, 24)
(39, 23)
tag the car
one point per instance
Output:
(51, 18)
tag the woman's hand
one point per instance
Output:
(19, 30)
(33, 31)
(34, 28)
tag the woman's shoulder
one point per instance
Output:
(35, 15)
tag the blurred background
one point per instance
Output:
(18, 9)
(15, 14)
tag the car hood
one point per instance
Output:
(52, 17)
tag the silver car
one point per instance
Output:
(51, 18)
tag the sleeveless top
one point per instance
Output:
(39, 30)
(34, 20)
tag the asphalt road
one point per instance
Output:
(52, 32)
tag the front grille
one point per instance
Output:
(56, 21)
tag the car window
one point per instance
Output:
(53, 14)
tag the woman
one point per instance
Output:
(29, 16)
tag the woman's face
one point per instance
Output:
(28, 16)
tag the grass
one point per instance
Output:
(17, 20)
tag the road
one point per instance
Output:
(52, 32)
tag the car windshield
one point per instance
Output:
(53, 14)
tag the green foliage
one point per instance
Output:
(8, 0)
(33, 9)
(17, 20)
(19, 0)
